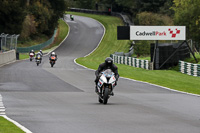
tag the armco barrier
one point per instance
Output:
(37, 47)
(7, 57)
(131, 61)
(189, 68)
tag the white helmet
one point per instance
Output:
(53, 53)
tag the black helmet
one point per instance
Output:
(109, 61)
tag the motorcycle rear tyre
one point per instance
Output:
(105, 95)
(37, 63)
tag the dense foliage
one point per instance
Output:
(149, 18)
(12, 15)
(30, 17)
(187, 13)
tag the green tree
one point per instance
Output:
(58, 7)
(42, 13)
(187, 13)
(166, 8)
(149, 18)
(87, 4)
(12, 14)
(42, 17)
(149, 5)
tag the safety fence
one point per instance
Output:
(189, 68)
(8, 42)
(37, 47)
(145, 64)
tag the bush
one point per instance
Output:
(142, 48)
(148, 18)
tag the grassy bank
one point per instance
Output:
(8, 127)
(167, 78)
(61, 34)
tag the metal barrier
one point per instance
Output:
(37, 47)
(8, 42)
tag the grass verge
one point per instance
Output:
(61, 34)
(167, 78)
(8, 127)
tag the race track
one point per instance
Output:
(62, 99)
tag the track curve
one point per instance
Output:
(62, 99)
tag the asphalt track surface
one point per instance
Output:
(62, 99)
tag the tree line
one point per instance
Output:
(30, 17)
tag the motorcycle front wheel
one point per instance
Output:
(105, 95)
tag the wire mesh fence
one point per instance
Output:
(8, 42)
(37, 47)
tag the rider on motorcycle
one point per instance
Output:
(53, 54)
(108, 64)
(32, 51)
(71, 17)
(38, 55)
(41, 52)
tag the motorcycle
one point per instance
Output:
(106, 84)
(72, 18)
(38, 60)
(52, 60)
(31, 55)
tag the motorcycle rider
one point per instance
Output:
(53, 54)
(108, 64)
(41, 52)
(71, 17)
(32, 51)
(38, 55)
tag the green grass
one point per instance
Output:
(23, 56)
(62, 33)
(167, 78)
(8, 127)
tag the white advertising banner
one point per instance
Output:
(157, 33)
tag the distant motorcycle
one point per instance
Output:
(72, 17)
(106, 84)
(38, 60)
(52, 60)
(31, 55)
